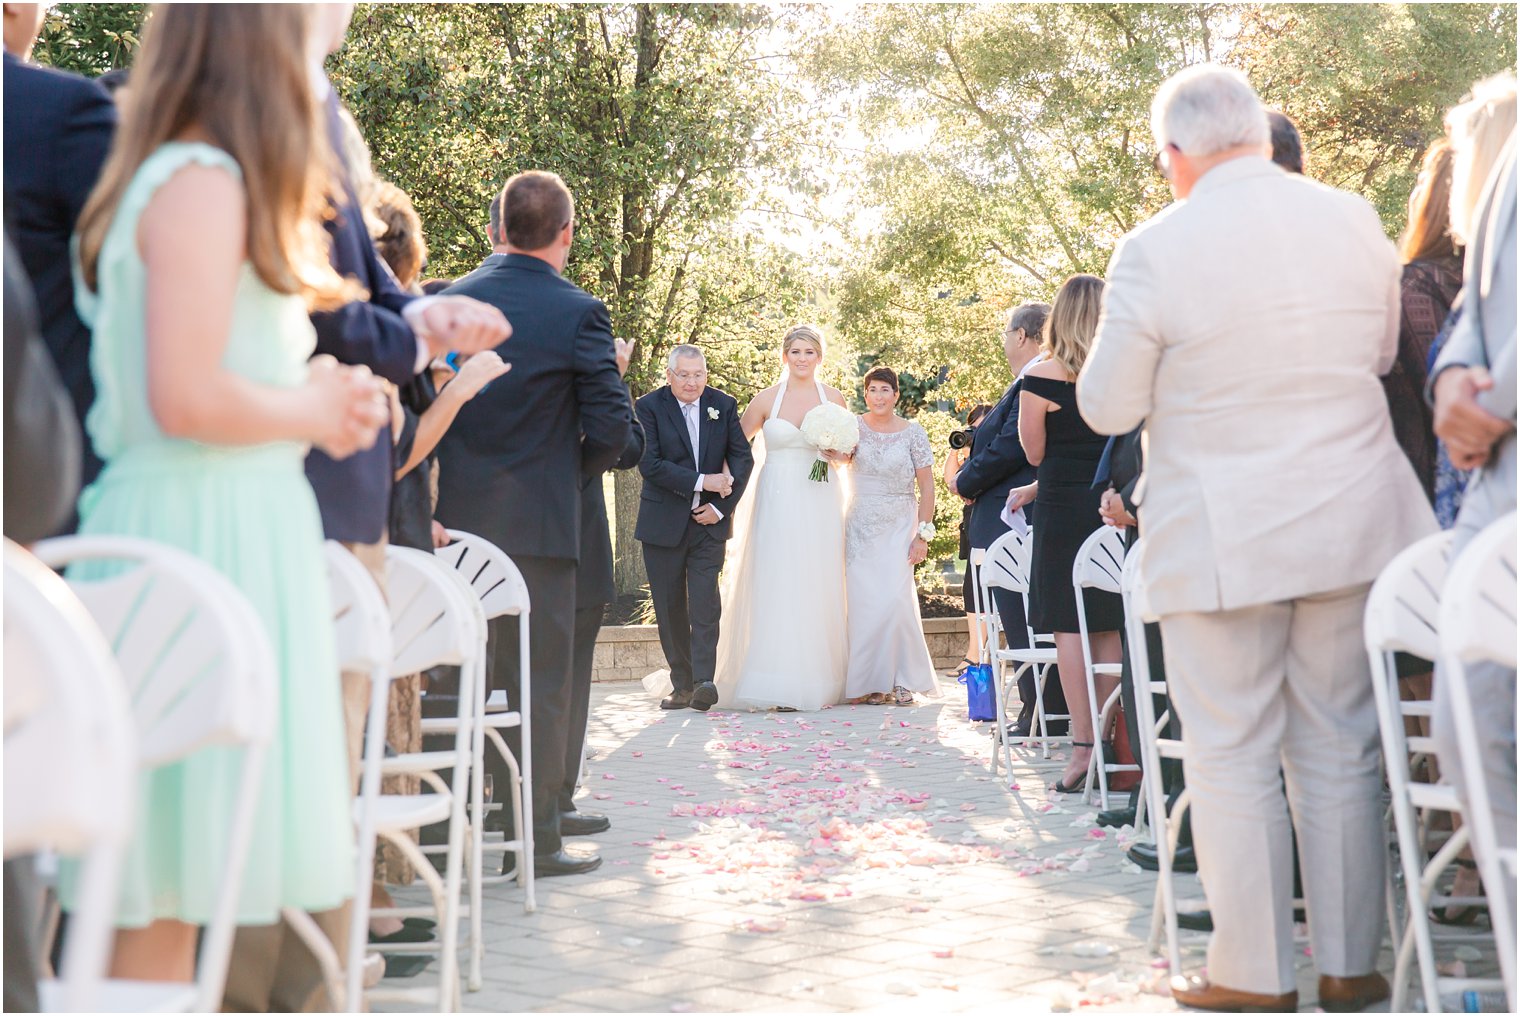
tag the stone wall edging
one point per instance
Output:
(629, 652)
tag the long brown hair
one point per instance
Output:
(1428, 235)
(1073, 321)
(237, 73)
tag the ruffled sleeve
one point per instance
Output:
(918, 447)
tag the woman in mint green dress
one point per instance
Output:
(200, 255)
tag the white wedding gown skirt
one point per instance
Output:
(887, 646)
(783, 640)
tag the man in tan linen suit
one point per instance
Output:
(1247, 325)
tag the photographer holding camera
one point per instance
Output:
(996, 465)
(960, 451)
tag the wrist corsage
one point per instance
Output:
(926, 531)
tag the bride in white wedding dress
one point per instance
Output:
(783, 642)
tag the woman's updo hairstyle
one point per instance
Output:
(886, 375)
(803, 333)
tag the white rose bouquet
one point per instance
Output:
(830, 428)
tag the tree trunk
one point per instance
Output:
(628, 556)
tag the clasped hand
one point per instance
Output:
(457, 323)
(721, 484)
(349, 406)
(1113, 512)
(1469, 430)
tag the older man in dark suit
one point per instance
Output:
(58, 128)
(511, 466)
(696, 465)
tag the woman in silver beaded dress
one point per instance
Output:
(887, 535)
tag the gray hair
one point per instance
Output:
(1479, 128)
(684, 352)
(1030, 317)
(1207, 109)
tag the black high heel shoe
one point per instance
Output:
(1081, 782)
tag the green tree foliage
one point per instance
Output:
(90, 39)
(1010, 144)
(902, 173)
(677, 127)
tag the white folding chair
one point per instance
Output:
(435, 621)
(1005, 565)
(1403, 611)
(200, 673)
(1098, 564)
(1478, 626)
(70, 760)
(496, 583)
(1153, 748)
(362, 638)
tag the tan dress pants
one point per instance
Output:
(1267, 694)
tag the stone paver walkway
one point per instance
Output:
(855, 858)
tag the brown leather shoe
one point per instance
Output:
(676, 700)
(1197, 993)
(1352, 994)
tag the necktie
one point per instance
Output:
(689, 410)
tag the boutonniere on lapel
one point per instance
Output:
(712, 412)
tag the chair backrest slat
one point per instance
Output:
(198, 666)
(361, 621)
(70, 746)
(1478, 621)
(1100, 560)
(1404, 605)
(487, 569)
(426, 628)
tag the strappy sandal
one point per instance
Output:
(902, 696)
(960, 669)
(1460, 915)
(1081, 782)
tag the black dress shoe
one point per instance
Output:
(1195, 920)
(1144, 854)
(582, 823)
(563, 862)
(1202, 920)
(677, 699)
(704, 697)
(1115, 818)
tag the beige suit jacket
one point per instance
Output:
(1248, 326)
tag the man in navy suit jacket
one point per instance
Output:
(996, 466)
(595, 587)
(510, 469)
(58, 128)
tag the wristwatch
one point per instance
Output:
(926, 531)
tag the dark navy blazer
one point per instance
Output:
(997, 465)
(511, 465)
(354, 493)
(58, 128)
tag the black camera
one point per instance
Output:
(961, 438)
